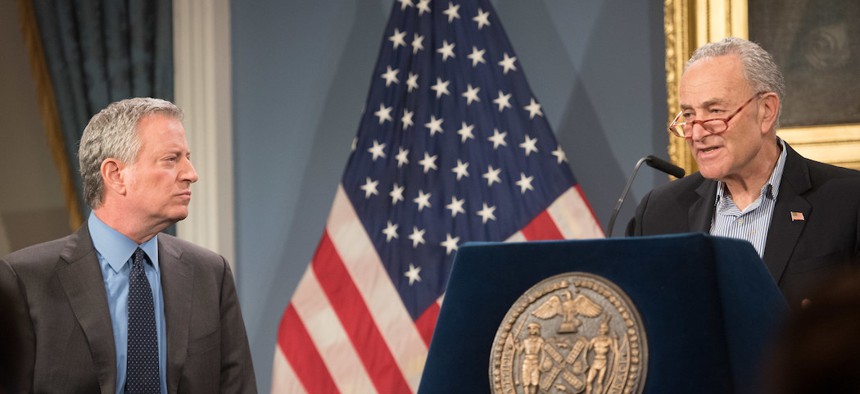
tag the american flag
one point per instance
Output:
(452, 147)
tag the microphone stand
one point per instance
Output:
(653, 162)
(623, 195)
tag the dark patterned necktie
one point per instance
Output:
(142, 368)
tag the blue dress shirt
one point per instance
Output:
(115, 253)
(751, 224)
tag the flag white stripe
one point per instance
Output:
(382, 299)
(517, 237)
(572, 216)
(284, 380)
(329, 337)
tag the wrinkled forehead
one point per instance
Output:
(713, 80)
(160, 116)
(160, 130)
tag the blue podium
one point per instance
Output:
(708, 306)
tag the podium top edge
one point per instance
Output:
(681, 237)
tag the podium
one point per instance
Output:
(708, 307)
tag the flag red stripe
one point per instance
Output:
(299, 350)
(427, 322)
(355, 317)
(542, 228)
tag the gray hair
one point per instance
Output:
(760, 71)
(112, 133)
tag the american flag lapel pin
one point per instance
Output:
(797, 216)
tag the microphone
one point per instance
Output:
(653, 162)
(663, 165)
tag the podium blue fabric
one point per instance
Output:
(708, 305)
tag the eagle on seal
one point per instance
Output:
(569, 308)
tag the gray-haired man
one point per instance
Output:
(802, 216)
(117, 307)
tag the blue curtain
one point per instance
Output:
(98, 52)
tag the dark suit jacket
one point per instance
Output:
(61, 309)
(798, 253)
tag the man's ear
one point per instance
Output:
(769, 111)
(112, 176)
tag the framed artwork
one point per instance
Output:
(817, 46)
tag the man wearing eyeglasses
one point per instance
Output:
(801, 216)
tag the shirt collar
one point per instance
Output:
(116, 249)
(771, 188)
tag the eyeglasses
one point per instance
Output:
(684, 129)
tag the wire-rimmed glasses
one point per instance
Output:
(684, 128)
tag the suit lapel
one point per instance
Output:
(176, 281)
(784, 231)
(83, 283)
(702, 210)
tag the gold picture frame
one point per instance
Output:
(689, 24)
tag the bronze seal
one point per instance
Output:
(571, 333)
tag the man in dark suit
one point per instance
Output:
(117, 307)
(803, 217)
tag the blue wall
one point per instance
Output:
(301, 71)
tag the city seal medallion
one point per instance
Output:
(571, 333)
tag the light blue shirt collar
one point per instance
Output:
(771, 188)
(116, 248)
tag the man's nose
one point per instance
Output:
(697, 131)
(189, 173)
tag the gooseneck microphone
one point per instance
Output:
(663, 165)
(653, 162)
